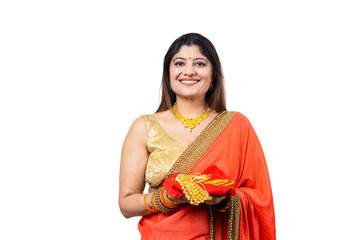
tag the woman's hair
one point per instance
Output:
(215, 97)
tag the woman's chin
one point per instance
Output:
(191, 95)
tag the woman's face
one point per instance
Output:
(190, 73)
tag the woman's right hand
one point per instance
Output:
(178, 200)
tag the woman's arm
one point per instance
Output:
(132, 171)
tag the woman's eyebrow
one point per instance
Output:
(181, 58)
(201, 59)
(178, 58)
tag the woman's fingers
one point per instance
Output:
(177, 200)
(183, 199)
(215, 200)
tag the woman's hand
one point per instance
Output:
(215, 200)
(177, 200)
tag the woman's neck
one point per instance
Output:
(190, 107)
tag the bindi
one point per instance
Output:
(189, 57)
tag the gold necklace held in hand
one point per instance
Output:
(191, 188)
(190, 122)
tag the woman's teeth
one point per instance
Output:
(188, 81)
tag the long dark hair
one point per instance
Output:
(215, 97)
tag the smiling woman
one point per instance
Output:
(191, 133)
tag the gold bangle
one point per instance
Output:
(165, 202)
(153, 202)
(168, 199)
(158, 205)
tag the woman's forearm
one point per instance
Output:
(133, 205)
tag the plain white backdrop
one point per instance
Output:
(75, 74)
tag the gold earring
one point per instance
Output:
(211, 84)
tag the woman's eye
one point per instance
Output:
(179, 64)
(200, 64)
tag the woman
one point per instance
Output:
(190, 132)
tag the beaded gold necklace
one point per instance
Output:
(190, 122)
(192, 191)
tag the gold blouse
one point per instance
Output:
(163, 150)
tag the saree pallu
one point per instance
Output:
(230, 143)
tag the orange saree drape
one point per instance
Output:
(231, 144)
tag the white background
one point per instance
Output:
(75, 74)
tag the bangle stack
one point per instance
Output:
(165, 201)
(160, 202)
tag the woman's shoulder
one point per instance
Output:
(138, 126)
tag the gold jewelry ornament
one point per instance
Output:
(212, 85)
(193, 192)
(220, 182)
(191, 122)
(156, 201)
(165, 201)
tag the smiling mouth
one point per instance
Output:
(188, 81)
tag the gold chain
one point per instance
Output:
(190, 122)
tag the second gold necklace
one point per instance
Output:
(190, 122)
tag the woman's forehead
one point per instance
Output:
(189, 52)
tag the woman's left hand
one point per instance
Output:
(215, 200)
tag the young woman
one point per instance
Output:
(190, 132)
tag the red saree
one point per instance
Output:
(231, 144)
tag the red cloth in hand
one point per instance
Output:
(173, 187)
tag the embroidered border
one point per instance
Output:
(211, 222)
(234, 218)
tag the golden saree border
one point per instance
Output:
(193, 153)
(233, 222)
(234, 218)
(211, 222)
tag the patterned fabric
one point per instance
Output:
(163, 151)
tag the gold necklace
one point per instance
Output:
(191, 189)
(190, 122)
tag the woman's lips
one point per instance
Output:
(188, 81)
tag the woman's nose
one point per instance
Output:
(189, 70)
